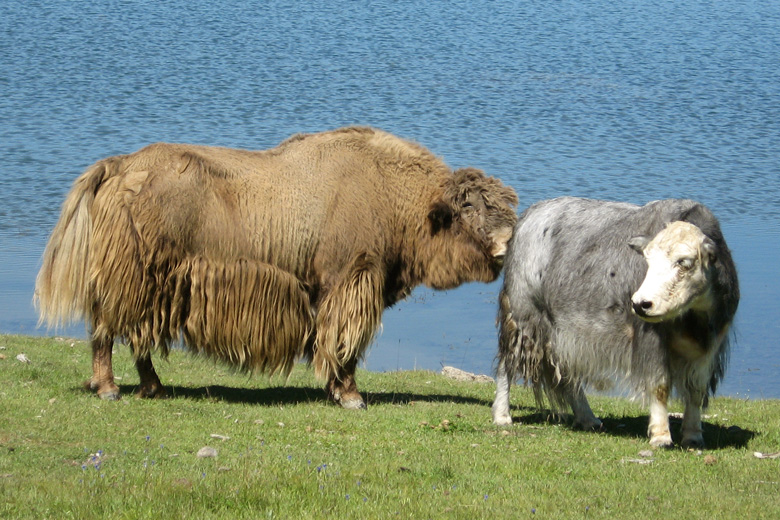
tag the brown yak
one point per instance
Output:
(259, 258)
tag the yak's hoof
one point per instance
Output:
(502, 420)
(151, 392)
(351, 401)
(693, 443)
(352, 404)
(588, 425)
(107, 392)
(110, 395)
(662, 441)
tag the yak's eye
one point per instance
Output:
(685, 263)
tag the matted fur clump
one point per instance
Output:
(259, 258)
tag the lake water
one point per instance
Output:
(629, 100)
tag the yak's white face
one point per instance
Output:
(678, 260)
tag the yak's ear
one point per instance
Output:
(440, 216)
(710, 248)
(638, 243)
(696, 215)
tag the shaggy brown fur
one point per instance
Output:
(259, 258)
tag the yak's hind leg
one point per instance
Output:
(501, 412)
(509, 354)
(348, 317)
(102, 381)
(150, 384)
(583, 415)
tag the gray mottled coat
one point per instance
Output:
(565, 313)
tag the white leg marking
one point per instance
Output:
(658, 429)
(501, 415)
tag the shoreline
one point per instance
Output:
(447, 371)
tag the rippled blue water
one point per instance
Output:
(626, 101)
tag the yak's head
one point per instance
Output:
(471, 226)
(679, 259)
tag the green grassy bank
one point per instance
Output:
(425, 448)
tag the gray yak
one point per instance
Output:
(580, 308)
(260, 258)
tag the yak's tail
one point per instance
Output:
(62, 285)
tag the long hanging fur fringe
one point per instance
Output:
(348, 318)
(525, 351)
(251, 315)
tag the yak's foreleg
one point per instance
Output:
(342, 388)
(692, 436)
(658, 429)
(347, 319)
(694, 396)
(102, 381)
(150, 383)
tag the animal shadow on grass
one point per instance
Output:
(289, 395)
(716, 436)
(410, 398)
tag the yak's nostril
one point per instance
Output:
(642, 307)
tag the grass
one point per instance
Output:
(425, 448)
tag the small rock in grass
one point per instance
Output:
(206, 452)
(638, 461)
(760, 455)
(461, 375)
(709, 460)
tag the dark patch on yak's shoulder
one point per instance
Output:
(397, 283)
(440, 216)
